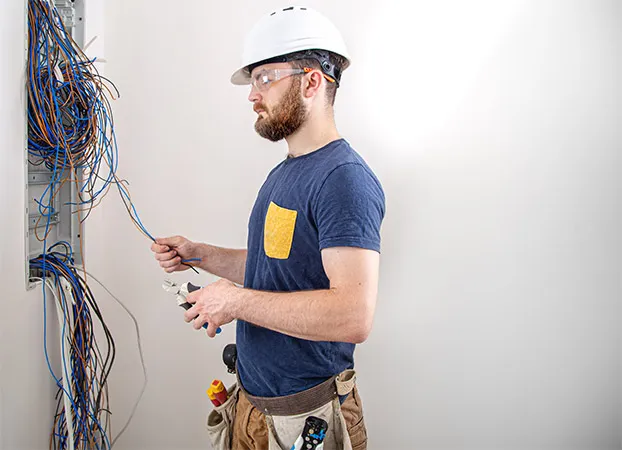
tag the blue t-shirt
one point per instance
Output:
(327, 198)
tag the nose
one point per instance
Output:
(254, 95)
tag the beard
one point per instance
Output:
(285, 118)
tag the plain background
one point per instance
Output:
(495, 130)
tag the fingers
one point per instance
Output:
(177, 268)
(157, 248)
(211, 330)
(171, 265)
(190, 314)
(167, 253)
(165, 256)
(198, 322)
(169, 260)
(197, 314)
(194, 315)
(193, 297)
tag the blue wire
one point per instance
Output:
(78, 371)
(47, 359)
(70, 128)
(48, 32)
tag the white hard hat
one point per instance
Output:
(289, 30)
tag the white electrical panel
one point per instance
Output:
(63, 225)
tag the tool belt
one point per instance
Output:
(307, 400)
(285, 416)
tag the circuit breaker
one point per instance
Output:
(64, 224)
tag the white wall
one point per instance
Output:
(492, 126)
(26, 389)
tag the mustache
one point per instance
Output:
(258, 108)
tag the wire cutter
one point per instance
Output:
(181, 293)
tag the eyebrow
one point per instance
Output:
(257, 71)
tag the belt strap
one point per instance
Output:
(308, 400)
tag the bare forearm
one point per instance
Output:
(223, 262)
(321, 315)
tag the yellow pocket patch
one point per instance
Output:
(278, 232)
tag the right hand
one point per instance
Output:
(170, 251)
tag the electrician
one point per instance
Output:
(310, 270)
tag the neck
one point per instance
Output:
(315, 133)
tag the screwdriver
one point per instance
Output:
(217, 393)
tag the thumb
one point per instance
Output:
(173, 241)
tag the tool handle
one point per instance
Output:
(187, 306)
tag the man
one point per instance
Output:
(310, 272)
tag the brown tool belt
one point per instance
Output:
(308, 400)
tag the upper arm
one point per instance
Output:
(348, 213)
(351, 268)
(353, 275)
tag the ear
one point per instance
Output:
(312, 84)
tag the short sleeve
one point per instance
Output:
(349, 208)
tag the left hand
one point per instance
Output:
(214, 304)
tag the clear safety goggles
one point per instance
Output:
(263, 79)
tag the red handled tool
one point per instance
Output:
(217, 393)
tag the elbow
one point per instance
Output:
(361, 328)
(359, 336)
(358, 316)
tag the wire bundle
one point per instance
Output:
(82, 419)
(70, 125)
(71, 133)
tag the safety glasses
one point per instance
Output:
(263, 79)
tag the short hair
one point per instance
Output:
(336, 60)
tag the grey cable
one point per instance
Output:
(140, 351)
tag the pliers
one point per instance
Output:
(181, 293)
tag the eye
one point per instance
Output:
(262, 78)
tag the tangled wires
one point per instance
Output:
(70, 126)
(82, 418)
(71, 134)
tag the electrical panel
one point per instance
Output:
(64, 223)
